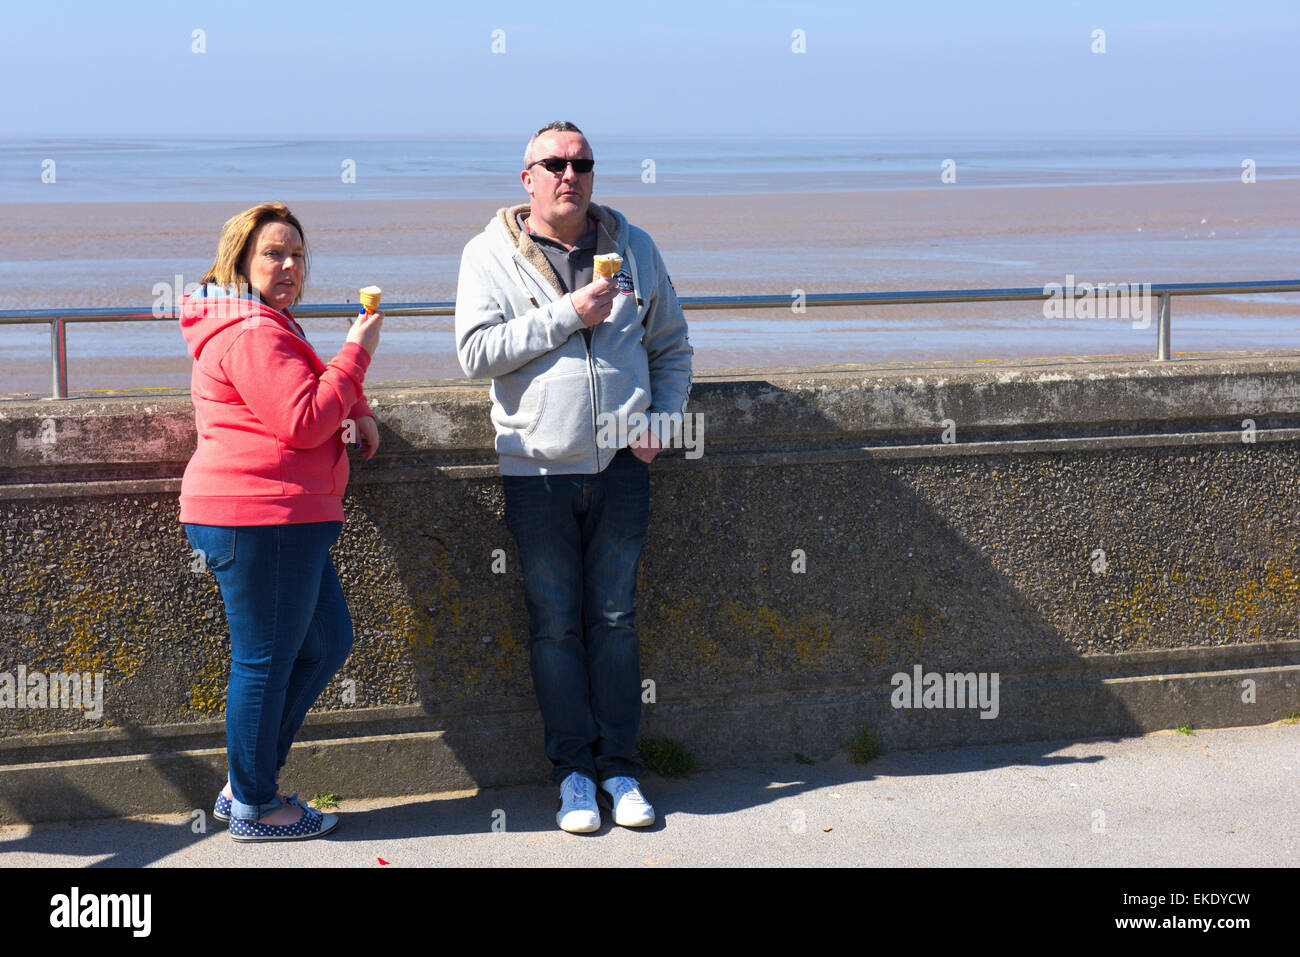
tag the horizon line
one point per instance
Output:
(675, 135)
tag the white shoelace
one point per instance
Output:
(624, 786)
(578, 789)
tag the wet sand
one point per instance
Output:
(79, 255)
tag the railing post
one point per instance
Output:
(1162, 328)
(59, 356)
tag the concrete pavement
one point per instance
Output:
(1222, 798)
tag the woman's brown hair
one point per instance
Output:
(236, 237)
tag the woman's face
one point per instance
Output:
(275, 264)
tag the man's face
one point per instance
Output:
(561, 196)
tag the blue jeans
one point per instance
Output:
(290, 632)
(579, 539)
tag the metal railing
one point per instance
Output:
(58, 319)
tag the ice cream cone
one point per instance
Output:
(609, 264)
(370, 298)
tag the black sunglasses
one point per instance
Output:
(556, 165)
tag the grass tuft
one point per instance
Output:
(863, 747)
(665, 757)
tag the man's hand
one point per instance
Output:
(369, 436)
(595, 301)
(645, 446)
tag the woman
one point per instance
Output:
(262, 501)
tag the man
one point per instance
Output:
(575, 360)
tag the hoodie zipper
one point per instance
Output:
(592, 390)
(592, 384)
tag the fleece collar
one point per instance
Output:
(608, 230)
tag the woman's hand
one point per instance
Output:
(369, 435)
(365, 332)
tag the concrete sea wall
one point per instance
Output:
(1116, 542)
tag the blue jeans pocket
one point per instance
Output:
(213, 546)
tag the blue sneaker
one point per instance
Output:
(312, 824)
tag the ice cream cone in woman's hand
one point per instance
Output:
(370, 296)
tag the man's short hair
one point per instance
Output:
(557, 126)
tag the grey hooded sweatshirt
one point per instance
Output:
(557, 401)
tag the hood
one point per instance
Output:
(611, 235)
(211, 308)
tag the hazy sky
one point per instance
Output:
(638, 67)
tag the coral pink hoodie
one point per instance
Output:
(269, 415)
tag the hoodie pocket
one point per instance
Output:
(318, 471)
(561, 426)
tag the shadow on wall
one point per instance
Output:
(777, 601)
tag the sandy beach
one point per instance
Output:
(80, 255)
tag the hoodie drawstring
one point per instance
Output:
(522, 284)
(636, 285)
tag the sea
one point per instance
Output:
(60, 266)
(190, 169)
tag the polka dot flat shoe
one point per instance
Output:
(312, 824)
(221, 810)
